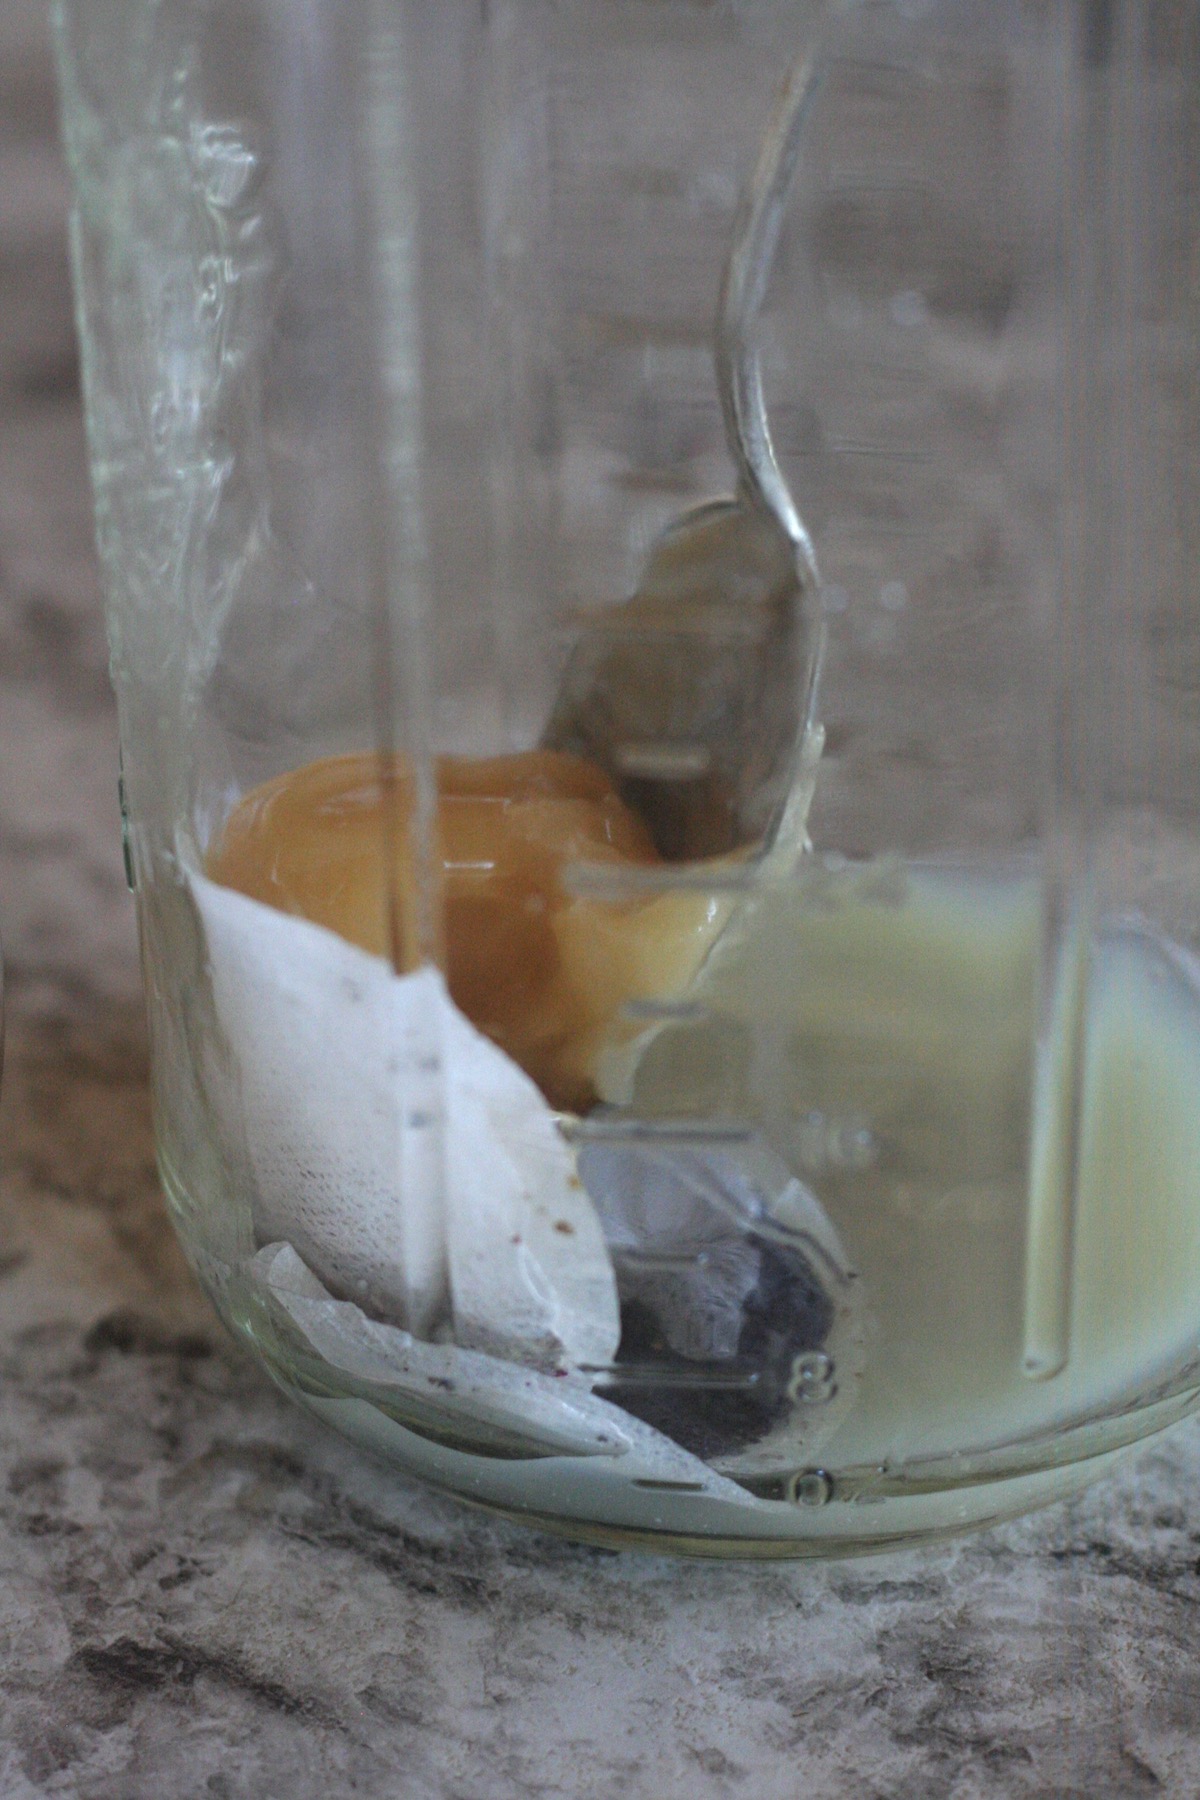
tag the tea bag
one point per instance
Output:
(412, 1165)
(465, 1400)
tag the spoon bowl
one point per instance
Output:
(695, 694)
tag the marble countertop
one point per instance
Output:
(202, 1594)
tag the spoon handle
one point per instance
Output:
(743, 289)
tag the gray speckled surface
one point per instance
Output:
(201, 1594)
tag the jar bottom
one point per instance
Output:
(841, 1524)
(825, 1511)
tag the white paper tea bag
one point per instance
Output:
(442, 1391)
(412, 1165)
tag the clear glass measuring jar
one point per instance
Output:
(651, 567)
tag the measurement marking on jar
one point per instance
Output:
(663, 761)
(879, 65)
(716, 624)
(601, 881)
(1056, 1131)
(858, 185)
(661, 1261)
(634, 331)
(849, 530)
(654, 1131)
(652, 1375)
(844, 447)
(665, 1011)
(812, 1487)
(651, 481)
(668, 1487)
(721, 628)
(812, 1380)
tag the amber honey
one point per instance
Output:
(543, 970)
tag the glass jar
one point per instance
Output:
(651, 568)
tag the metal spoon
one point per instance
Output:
(694, 693)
